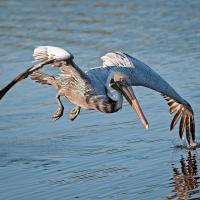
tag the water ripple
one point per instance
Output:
(98, 156)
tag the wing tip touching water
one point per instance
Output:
(186, 114)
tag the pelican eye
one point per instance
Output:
(121, 82)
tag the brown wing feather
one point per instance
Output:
(188, 133)
(43, 78)
(192, 128)
(186, 114)
(173, 108)
(176, 118)
(182, 126)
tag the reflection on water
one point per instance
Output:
(185, 178)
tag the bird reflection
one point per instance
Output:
(185, 180)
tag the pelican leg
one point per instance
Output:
(73, 113)
(59, 113)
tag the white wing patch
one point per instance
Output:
(43, 53)
(118, 59)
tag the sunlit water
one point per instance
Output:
(98, 156)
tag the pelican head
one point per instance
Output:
(121, 83)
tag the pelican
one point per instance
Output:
(103, 88)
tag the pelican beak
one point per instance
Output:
(128, 93)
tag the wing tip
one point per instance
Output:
(186, 114)
(187, 123)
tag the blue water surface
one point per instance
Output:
(98, 156)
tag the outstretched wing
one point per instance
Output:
(23, 76)
(62, 60)
(44, 55)
(142, 75)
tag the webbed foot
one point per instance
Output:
(73, 113)
(58, 114)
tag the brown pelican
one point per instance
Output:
(103, 88)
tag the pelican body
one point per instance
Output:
(103, 88)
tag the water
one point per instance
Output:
(98, 156)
